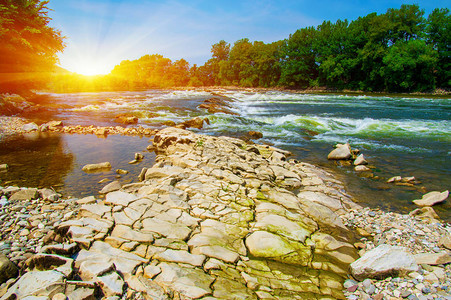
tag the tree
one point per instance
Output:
(438, 32)
(29, 46)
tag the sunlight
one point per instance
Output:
(88, 66)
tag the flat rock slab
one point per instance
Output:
(432, 198)
(36, 283)
(433, 259)
(383, 261)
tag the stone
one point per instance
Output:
(197, 123)
(89, 270)
(120, 198)
(433, 259)
(3, 167)
(255, 134)
(126, 118)
(445, 241)
(59, 296)
(362, 168)
(7, 269)
(178, 256)
(30, 127)
(383, 261)
(111, 284)
(121, 172)
(165, 228)
(55, 262)
(24, 194)
(127, 233)
(111, 187)
(37, 283)
(192, 283)
(425, 212)
(432, 198)
(394, 179)
(99, 167)
(360, 160)
(342, 152)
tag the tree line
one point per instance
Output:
(401, 50)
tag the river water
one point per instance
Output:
(406, 136)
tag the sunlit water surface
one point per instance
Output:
(398, 135)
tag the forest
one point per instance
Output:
(401, 50)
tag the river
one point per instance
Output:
(399, 135)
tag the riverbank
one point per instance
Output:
(214, 217)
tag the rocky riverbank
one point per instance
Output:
(214, 218)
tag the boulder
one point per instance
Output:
(383, 261)
(432, 198)
(7, 269)
(99, 167)
(197, 123)
(342, 152)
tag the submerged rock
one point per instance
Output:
(99, 167)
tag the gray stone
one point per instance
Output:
(383, 261)
(432, 198)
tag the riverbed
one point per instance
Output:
(399, 135)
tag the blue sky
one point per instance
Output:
(101, 33)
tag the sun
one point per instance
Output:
(88, 65)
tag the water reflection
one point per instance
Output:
(55, 160)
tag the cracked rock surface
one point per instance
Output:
(214, 218)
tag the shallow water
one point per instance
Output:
(404, 136)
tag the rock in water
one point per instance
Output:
(3, 167)
(111, 187)
(7, 269)
(91, 168)
(341, 152)
(30, 127)
(362, 168)
(382, 262)
(360, 160)
(432, 198)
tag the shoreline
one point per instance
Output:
(373, 227)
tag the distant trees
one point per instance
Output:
(28, 47)
(398, 51)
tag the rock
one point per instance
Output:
(362, 168)
(197, 123)
(30, 127)
(432, 198)
(139, 156)
(360, 160)
(111, 284)
(49, 194)
(445, 241)
(58, 263)
(59, 296)
(394, 179)
(426, 212)
(119, 198)
(37, 283)
(7, 269)
(178, 256)
(214, 108)
(4, 167)
(383, 261)
(100, 167)
(121, 172)
(255, 134)
(25, 194)
(126, 119)
(433, 259)
(342, 152)
(111, 187)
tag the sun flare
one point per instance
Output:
(88, 65)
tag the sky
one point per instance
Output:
(101, 33)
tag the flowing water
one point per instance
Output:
(407, 136)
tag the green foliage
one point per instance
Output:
(29, 46)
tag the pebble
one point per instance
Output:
(416, 236)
